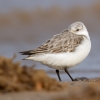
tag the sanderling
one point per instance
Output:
(64, 50)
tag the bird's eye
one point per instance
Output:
(77, 30)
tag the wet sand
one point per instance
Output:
(26, 83)
(71, 91)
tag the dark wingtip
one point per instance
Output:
(25, 52)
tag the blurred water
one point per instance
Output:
(6, 5)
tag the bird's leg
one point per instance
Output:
(57, 71)
(69, 74)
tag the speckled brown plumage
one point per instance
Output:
(63, 42)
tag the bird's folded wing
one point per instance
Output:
(63, 42)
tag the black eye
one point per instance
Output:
(77, 30)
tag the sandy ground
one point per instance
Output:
(26, 83)
(72, 91)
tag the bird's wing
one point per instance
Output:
(63, 42)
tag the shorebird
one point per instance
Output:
(64, 50)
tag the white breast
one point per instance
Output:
(65, 60)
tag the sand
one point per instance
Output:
(26, 83)
(72, 91)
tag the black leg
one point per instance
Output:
(69, 74)
(57, 71)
